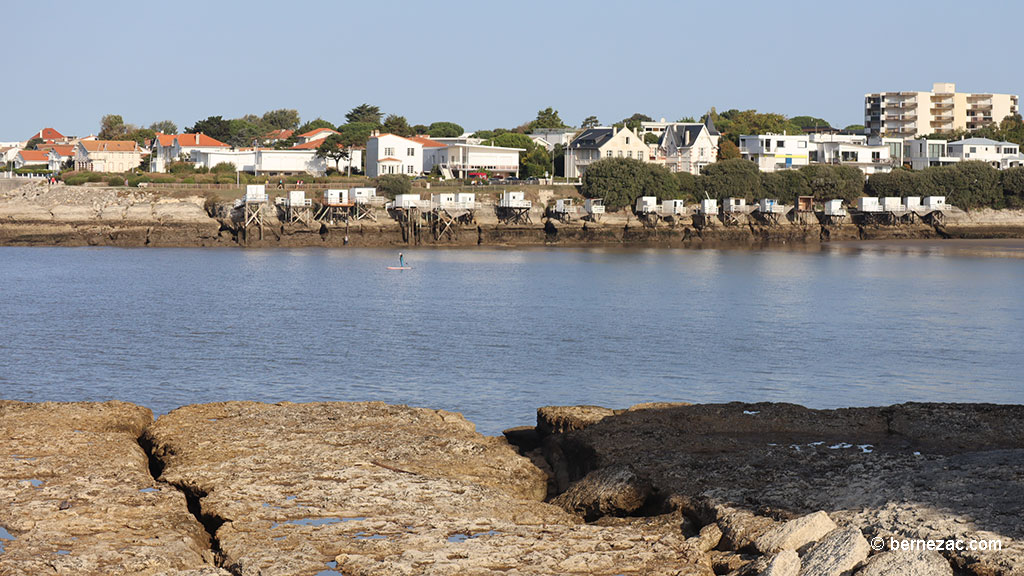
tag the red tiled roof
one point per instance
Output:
(427, 142)
(63, 150)
(198, 140)
(164, 139)
(282, 134)
(317, 131)
(49, 134)
(109, 145)
(34, 155)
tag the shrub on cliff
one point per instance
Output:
(831, 182)
(620, 181)
(965, 185)
(898, 183)
(736, 178)
(784, 185)
(223, 168)
(391, 185)
(1012, 180)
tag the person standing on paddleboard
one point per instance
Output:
(401, 260)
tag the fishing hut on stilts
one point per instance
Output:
(648, 211)
(335, 207)
(296, 207)
(408, 210)
(513, 208)
(448, 212)
(252, 208)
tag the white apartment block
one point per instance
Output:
(943, 110)
(603, 142)
(391, 154)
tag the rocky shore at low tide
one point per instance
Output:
(247, 488)
(43, 215)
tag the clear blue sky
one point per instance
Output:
(488, 64)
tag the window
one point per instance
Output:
(609, 153)
(629, 154)
(389, 151)
(627, 139)
(812, 156)
(411, 152)
(620, 153)
(973, 149)
(876, 156)
(849, 156)
(780, 143)
(936, 150)
(767, 145)
(408, 168)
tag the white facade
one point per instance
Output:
(922, 153)
(773, 152)
(458, 160)
(244, 160)
(604, 142)
(999, 155)
(870, 159)
(686, 147)
(390, 154)
(549, 138)
(514, 200)
(943, 110)
(289, 162)
(181, 147)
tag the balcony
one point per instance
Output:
(974, 97)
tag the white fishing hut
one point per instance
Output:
(594, 208)
(513, 208)
(673, 207)
(647, 205)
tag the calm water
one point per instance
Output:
(494, 334)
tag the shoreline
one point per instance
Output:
(230, 488)
(66, 216)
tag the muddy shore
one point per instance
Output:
(40, 215)
(245, 488)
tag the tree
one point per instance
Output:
(283, 119)
(215, 127)
(535, 164)
(734, 123)
(784, 185)
(31, 144)
(620, 181)
(112, 127)
(445, 130)
(356, 133)
(854, 128)
(688, 186)
(164, 127)
(832, 182)
(633, 122)
(333, 147)
(391, 185)
(420, 129)
(398, 126)
(736, 178)
(651, 138)
(806, 122)
(224, 168)
(966, 185)
(364, 113)
(244, 131)
(728, 150)
(688, 119)
(514, 140)
(1012, 180)
(898, 183)
(140, 135)
(590, 122)
(546, 118)
(314, 125)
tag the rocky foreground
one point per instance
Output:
(38, 214)
(366, 488)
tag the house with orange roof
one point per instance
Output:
(392, 154)
(30, 158)
(107, 155)
(49, 135)
(58, 155)
(169, 148)
(317, 134)
(277, 135)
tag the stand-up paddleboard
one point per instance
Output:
(399, 267)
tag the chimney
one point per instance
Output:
(687, 140)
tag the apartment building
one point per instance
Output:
(941, 111)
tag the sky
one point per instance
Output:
(487, 64)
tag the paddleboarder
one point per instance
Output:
(401, 260)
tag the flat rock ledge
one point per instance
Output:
(371, 489)
(78, 498)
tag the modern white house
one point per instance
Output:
(244, 160)
(773, 152)
(604, 142)
(922, 153)
(687, 146)
(391, 154)
(551, 137)
(107, 155)
(999, 155)
(270, 161)
(459, 160)
(851, 150)
(169, 148)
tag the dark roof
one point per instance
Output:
(678, 136)
(711, 126)
(591, 138)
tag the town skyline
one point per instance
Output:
(481, 69)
